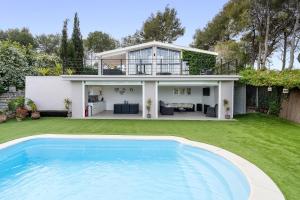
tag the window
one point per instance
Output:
(140, 61)
(168, 60)
(182, 91)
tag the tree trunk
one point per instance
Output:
(253, 52)
(265, 55)
(293, 40)
(259, 56)
(285, 37)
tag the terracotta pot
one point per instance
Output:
(3, 118)
(21, 113)
(35, 115)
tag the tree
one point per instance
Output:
(294, 33)
(98, 42)
(22, 36)
(163, 26)
(48, 44)
(134, 39)
(78, 45)
(14, 64)
(232, 50)
(227, 24)
(64, 44)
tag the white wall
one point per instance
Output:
(226, 92)
(165, 93)
(77, 99)
(112, 97)
(48, 92)
(150, 92)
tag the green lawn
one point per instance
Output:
(270, 143)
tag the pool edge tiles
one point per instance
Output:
(261, 186)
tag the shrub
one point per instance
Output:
(198, 61)
(43, 71)
(15, 64)
(16, 103)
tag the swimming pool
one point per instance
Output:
(114, 169)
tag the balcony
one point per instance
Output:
(149, 67)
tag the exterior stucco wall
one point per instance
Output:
(226, 91)
(166, 94)
(150, 92)
(48, 92)
(77, 98)
(132, 94)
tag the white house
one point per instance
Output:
(174, 78)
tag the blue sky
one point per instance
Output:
(119, 18)
(116, 17)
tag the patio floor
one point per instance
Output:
(186, 116)
(108, 114)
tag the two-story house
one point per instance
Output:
(164, 81)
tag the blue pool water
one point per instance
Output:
(111, 169)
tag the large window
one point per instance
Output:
(168, 61)
(140, 61)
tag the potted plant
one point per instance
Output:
(21, 111)
(148, 107)
(227, 109)
(3, 116)
(68, 103)
(34, 113)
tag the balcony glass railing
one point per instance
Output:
(146, 67)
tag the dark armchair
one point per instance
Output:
(164, 110)
(212, 111)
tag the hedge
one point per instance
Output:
(198, 61)
(288, 78)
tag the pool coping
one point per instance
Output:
(261, 185)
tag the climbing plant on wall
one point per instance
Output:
(198, 61)
(287, 78)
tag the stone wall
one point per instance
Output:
(290, 107)
(6, 97)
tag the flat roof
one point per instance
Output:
(151, 78)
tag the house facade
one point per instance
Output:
(151, 80)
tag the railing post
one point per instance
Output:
(101, 67)
(121, 65)
(180, 66)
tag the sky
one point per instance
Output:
(118, 18)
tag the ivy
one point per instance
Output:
(198, 61)
(288, 78)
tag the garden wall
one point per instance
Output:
(6, 97)
(290, 107)
(48, 92)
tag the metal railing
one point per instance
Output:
(147, 67)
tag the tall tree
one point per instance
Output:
(134, 39)
(98, 41)
(48, 43)
(163, 26)
(78, 45)
(64, 44)
(294, 33)
(22, 36)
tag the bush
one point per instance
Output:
(16, 103)
(14, 64)
(287, 79)
(198, 61)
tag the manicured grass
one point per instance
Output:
(270, 143)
